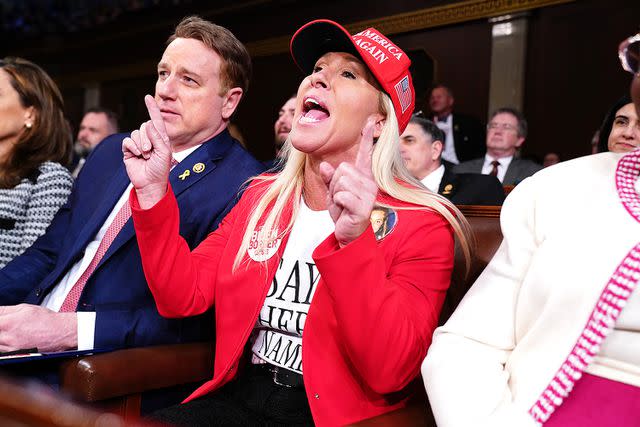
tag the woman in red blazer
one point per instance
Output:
(298, 252)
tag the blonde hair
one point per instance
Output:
(389, 173)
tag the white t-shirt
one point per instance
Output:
(283, 315)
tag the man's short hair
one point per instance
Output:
(429, 128)
(235, 70)
(441, 86)
(112, 118)
(522, 122)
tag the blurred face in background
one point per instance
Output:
(503, 138)
(282, 126)
(94, 128)
(420, 153)
(625, 131)
(440, 102)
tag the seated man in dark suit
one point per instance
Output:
(506, 132)
(81, 285)
(421, 149)
(464, 135)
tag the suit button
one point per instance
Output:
(317, 396)
(38, 292)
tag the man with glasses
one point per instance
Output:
(506, 132)
(550, 331)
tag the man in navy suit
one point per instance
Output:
(506, 132)
(202, 76)
(421, 148)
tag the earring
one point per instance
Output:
(28, 125)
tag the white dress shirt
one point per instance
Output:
(449, 150)
(55, 298)
(487, 167)
(432, 181)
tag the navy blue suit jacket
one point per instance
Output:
(117, 291)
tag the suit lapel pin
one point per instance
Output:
(198, 167)
(184, 174)
(447, 189)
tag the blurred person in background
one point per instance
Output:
(96, 125)
(506, 132)
(550, 159)
(421, 149)
(464, 135)
(620, 130)
(281, 128)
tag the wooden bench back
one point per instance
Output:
(485, 224)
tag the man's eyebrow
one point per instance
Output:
(182, 70)
(621, 116)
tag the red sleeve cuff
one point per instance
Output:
(331, 247)
(150, 219)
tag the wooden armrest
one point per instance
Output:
(32, 404)
(123, 372)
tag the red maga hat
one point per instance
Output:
(387, 62)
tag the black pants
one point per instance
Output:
(250, 400)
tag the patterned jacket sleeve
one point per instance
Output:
(50, 192)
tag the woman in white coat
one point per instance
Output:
(550, 332)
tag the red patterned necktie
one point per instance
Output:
(494, 170)
(71, 301)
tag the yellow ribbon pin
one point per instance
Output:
(185, 174)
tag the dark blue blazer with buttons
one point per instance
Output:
(117, 291)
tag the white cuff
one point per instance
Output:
(86, 329)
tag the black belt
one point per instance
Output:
(281, 376)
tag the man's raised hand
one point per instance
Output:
(147, 157)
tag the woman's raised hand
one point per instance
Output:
(352, 190)
(147, 157)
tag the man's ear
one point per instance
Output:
(377, 127)
(230, 102)
(519, 142)
(436, 149)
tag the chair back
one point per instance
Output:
(485, 225)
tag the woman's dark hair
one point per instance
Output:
(607, 123)
(48, 138)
